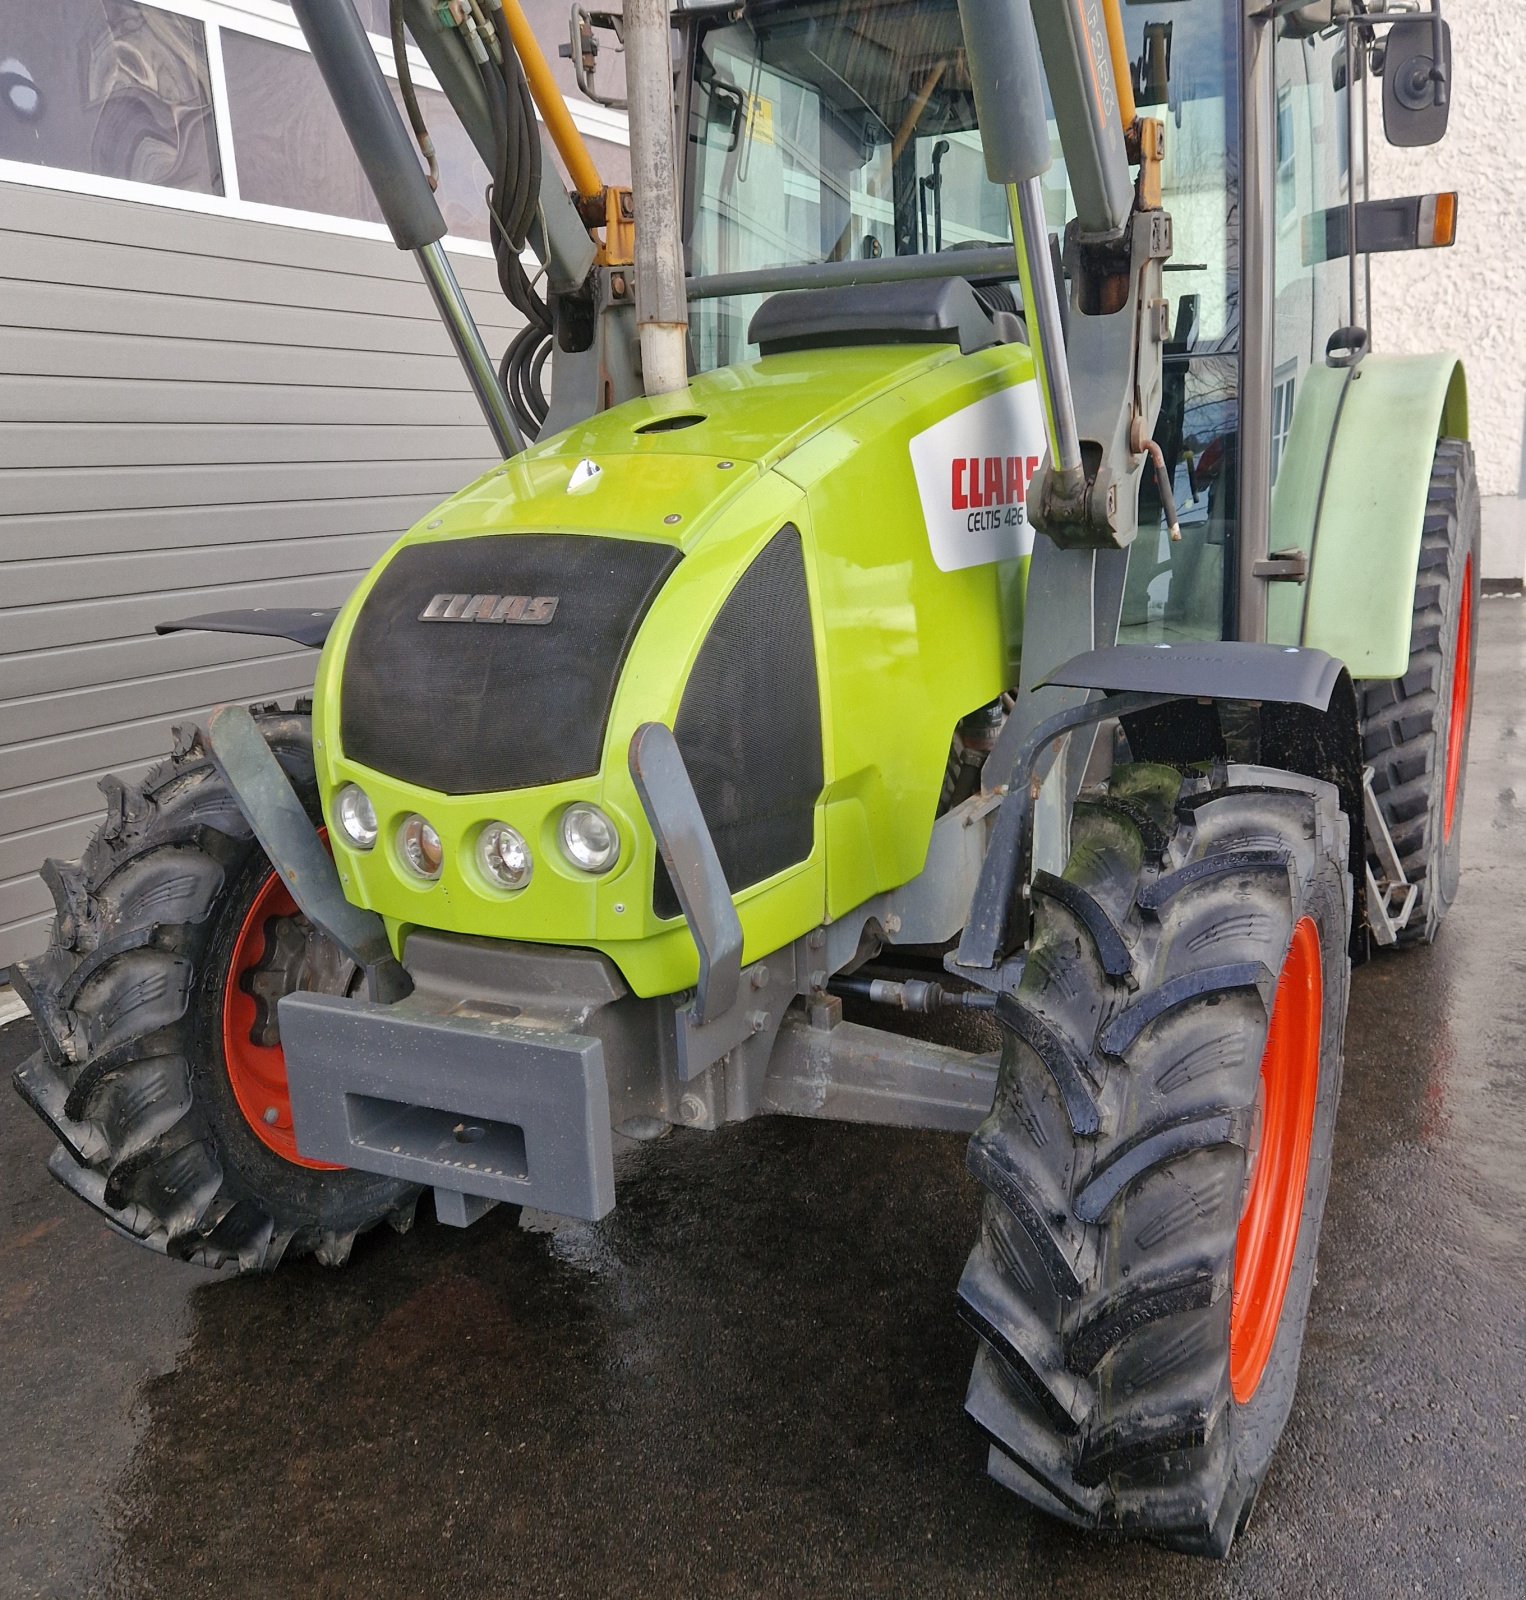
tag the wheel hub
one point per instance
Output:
(297, 956)
(277, 952)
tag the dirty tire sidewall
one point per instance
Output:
(1117, 1155)
(1469, 548)
(128, 1000)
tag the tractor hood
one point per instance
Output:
(660, 469)
(696, 561)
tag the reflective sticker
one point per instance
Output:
(760, 119)
(973, 470)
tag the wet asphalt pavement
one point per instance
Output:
(748, 1380)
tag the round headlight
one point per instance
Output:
(504, 856)
(357, 816)
(420, 847)
(589, 839)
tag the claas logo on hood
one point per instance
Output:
(531, 610)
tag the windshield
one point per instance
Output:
(837, 131)
(830, 132)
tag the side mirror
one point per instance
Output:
(724, 110)
(1417, 97)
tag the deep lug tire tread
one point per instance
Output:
(1100, 1284)
(125, 1003)
(1404, 722)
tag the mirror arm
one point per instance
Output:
(1439, 56)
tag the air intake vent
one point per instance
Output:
(749, 724)
(463, 676)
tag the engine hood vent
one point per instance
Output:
(483, 664)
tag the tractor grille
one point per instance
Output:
(749, 724)
(468, 707)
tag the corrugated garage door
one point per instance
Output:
(195, 413)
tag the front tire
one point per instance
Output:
(161, 1070)
(1158, 1153)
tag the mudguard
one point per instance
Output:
(1358, 508)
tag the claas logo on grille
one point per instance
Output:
(532, 610)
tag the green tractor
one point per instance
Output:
(970, 560)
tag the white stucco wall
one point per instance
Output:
(1470, 298)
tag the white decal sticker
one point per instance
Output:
(972, 476)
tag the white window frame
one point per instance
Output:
(275, 23)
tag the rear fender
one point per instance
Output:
(1360, 518)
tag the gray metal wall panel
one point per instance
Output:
(52, 537)
(139, 445)
(83, 666)
(148, 315)
(96, 401)
(86, 488)
(66, 582)
(61, 354)
(196, 413)
(90, 264)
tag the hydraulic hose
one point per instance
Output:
(410, 94)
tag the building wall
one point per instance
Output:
(220, 384)
(196, 413)
(1466, 298)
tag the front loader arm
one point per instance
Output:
(1102, 393)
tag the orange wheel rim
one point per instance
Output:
(257, 1072)
(1269, 1225)
(1462, 689)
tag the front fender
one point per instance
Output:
(1361, 518)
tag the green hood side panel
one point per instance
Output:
(1361, 588)
(817, 439)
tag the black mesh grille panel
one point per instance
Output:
(749, 724)
(467, 707)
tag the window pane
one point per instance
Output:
(292, 150)
(374, 16)
(108, 87)
(1312, 186)
(837, 130)
(1313, 177)
(463, 178)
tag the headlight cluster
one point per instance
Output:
(504, 856)
(357, 816)
(589, 841)
(419, 846)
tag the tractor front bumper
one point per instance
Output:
(480, 1109)
(487, 1083)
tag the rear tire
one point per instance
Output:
(139, 1075)
(1415, 728)
(1119, 1285)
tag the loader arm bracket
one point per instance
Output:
(678, 825)
(280, 822)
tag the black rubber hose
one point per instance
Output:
(410, 94)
